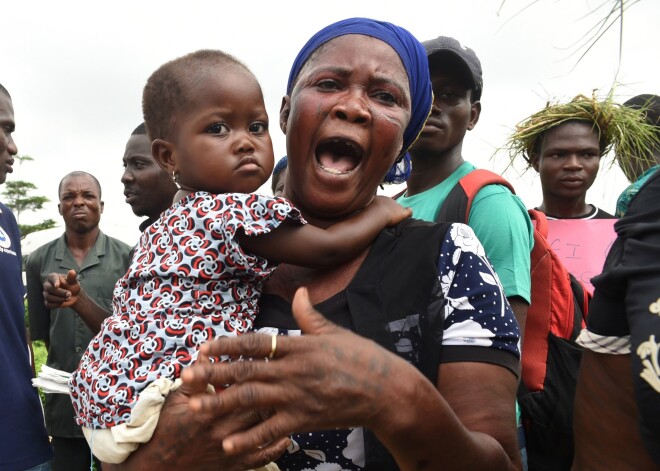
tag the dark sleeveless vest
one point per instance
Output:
(397, 279)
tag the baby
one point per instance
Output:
(197, 272)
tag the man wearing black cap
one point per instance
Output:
(498, 217)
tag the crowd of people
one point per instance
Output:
(324, 328)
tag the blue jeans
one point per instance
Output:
(41, 467)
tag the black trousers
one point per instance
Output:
(72, 454)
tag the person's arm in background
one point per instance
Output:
(64, 291)
(38, 314)
(502, 224)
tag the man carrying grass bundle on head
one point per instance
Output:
(564, 142)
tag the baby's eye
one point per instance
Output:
(217, 128)
(259, 127)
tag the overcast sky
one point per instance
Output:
(76, 69)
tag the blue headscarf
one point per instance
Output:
(413, 56)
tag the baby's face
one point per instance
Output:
(222, 143)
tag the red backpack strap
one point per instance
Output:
(539, 220)
(457, 205)
(553, 309)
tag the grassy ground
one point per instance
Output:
(40, 355)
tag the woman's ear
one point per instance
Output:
(163, 154)
(285, 109)
(535, 161)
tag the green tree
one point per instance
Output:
(17, 196)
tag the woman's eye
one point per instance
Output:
(327, 84)
(217, 128)
(258, 127)
(385, 96)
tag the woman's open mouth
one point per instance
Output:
(338, 156)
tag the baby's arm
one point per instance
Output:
(312, 246)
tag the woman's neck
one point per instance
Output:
(323, 221)
(322, 283)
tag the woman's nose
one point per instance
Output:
(353, 106)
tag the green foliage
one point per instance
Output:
(40, 357)
(16, 194)
(43, 225)
(39, 351)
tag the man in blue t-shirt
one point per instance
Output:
(23, 439)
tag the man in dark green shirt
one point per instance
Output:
(99, 261)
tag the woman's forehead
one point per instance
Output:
(356, 49)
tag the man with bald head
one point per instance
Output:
(149, 190)
(99, 260)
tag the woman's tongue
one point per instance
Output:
(336, 163)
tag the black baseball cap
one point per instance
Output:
(464, 54)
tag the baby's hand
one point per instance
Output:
(392, 211)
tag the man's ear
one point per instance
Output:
(59, 208)
(102, 206)
(163, 154)
(285, 109)
(475, 112)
